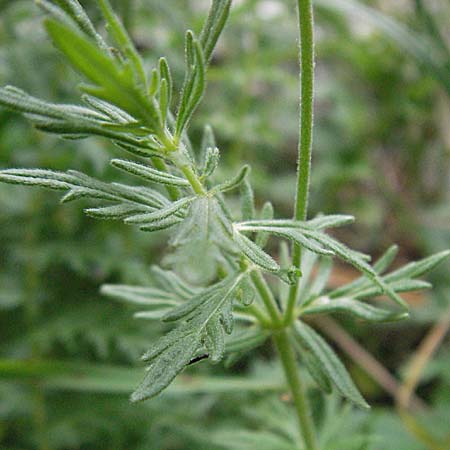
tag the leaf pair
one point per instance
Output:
(75, 122)
(308, 235)
(198, 53)
(117, 77)
(110, 81)
(194, 83)
(170, 291)
(348, 298)
(130, 203)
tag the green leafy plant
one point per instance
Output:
(220, 269)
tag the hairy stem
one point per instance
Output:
(193, 179)
(282, 340)
(306, 35)
(267, 297)
(287, 356)
(259, 315)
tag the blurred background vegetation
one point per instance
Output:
(69, 358)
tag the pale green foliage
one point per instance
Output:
(327, 365)
(214, 253)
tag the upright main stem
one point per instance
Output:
(290, 367)
(306, 34)
(282, 338)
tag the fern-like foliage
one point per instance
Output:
(221, 256)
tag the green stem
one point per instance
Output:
(258, 314)
(282, 339)
(267, 298)
(306, 34)
(193, 179)
(287, 356)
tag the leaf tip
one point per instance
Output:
(137, 396)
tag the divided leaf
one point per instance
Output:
(211, 162)
(143, 296)
(214, 25)
(74, 121)
(247, 200)
(130, 202)
(315, 369)
(172, 283)
(360, 310)
(418, 268)
(306, 235)
(148, 173)
(112, 82)
(267, 213)
(328, 363)
(171, 354)
(74, 14)
(379, 266)
(159, 215)
(255, 254)
(205, 319)
(114, 212)
(201, 240)
(194, 83)
(234, 182)
(125, 43)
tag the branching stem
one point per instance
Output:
(267, 297)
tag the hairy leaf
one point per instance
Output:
(194, 83)
(267, 213)
(123, 40)
(255, 254)
(112, 83)
(211, 162)
(315, 368)
(79, 16)
(327, 360)
(204, 320)
(234, 182)
(418, 268)
(217, 18)
(247, 200)
(148, 173)
(143, 296)
(360, 310)
(161, 214)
